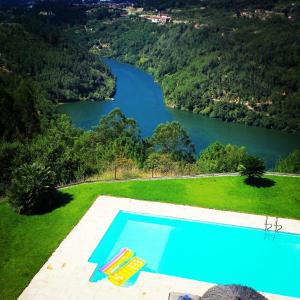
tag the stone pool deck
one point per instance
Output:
(66, 273)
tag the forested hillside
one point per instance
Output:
(233, 60)
(38, 45)
(41, 63)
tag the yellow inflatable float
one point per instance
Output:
(122, 267)
(121, 275)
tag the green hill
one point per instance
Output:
(237, 61)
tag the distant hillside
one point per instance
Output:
(11, 3)
(234, 60)
(224, 4)
(37, 44)
(42, 63)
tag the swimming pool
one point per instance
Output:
(208, 252)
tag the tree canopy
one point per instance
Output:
(173, 139)
(252, 167)
(290, 164)
(221, 158)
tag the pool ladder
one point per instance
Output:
(269, 226)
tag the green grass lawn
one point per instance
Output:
(27, 241)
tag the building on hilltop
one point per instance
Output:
(161, 19)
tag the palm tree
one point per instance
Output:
(252, 167)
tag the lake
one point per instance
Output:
(139, 97)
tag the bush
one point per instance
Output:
(162, 163)
(32, 188)
(252, 167)
(221, 158)
(291, 164)
(55, 148)
(9, 156)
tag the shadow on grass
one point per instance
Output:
(260, 182)
(56, 200)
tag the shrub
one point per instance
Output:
(162, 163)
(9, 156)
(32, 188)
(252, 167)
(221, 158)
(291, 164)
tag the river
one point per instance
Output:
(139, 97)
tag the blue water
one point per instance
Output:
(208, 252)
(139, 97)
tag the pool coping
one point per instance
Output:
(66, 273)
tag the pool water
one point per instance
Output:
(210, 252)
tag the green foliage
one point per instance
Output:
(23, 109)
(55, 148)
(103, 13)
(124, 165)
(62, 13)
(221, 158)
(233, 68)
(49, 53)
(224, 4)
(160, 162)
(171, 138)
(290, 164)
(252, 167)
(9, 154)
(160, 5)
(153, 161)
(85, 151)
(117, 136)
(31, 188)
(41, 63)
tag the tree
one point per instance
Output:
(252, 167)
(121, 163)
(291, 164)
(55, 148)
(153, 162)
(118, 136)
(22, 111)
(161, 162)
(32, 188)
(171, 138)
(85, 152)
(114, 125)
(221, 158)
(9, 156)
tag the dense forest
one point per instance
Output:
(233, 60)
(39, 48)
(41, 64)
(223, 4)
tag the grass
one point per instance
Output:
(27, 241)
